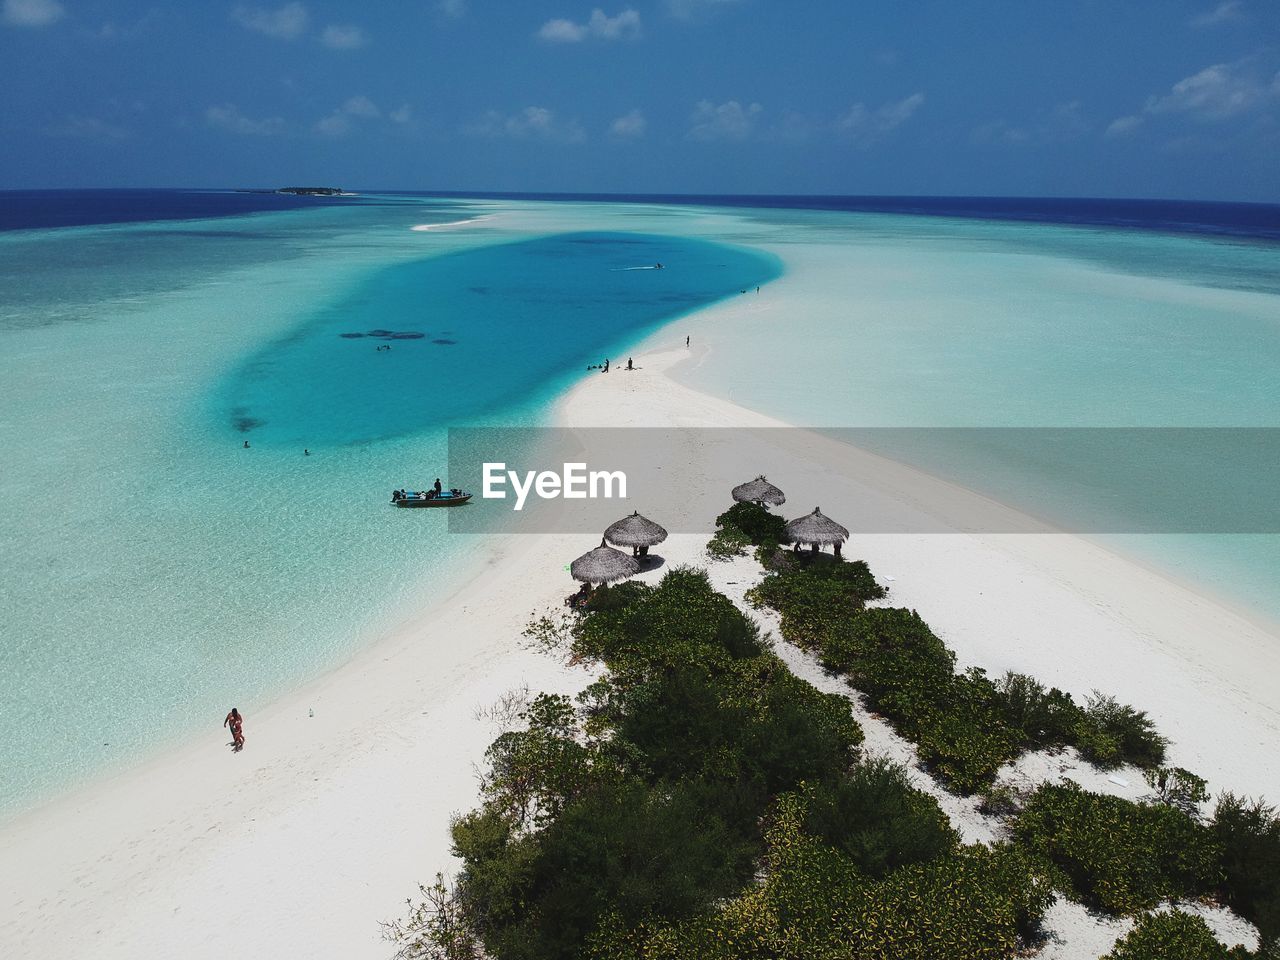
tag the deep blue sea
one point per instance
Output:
(36, 209)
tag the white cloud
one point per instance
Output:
(340, 122)
(33, 13)
(1122, 127)
(401, 115)
(86, 128)
(599, 26)
(531, 123)
(227, 116)
(343, 37)
(453, 9)
(286, 23)
(1215, 93)
(693, 9)
(1229, 11)
(629, 126)
(562, 31)
(866, 127)
(725, 121)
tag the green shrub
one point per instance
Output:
(534, 772)
(975, 903)
(763, 726)
(876, 818)
(958, 722)
(813, 594)
(1249, 832)
(1048, 717)
(1178, 788)
(1118, 856)
(1169, 936)
(1111, 733)
(624, 849)
(727, 543)
(756, 522)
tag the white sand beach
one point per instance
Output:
(340, 803)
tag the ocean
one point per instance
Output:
(154, 570)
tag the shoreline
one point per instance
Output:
(339, 815)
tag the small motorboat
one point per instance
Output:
(429, 498)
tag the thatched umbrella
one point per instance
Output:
(816, 530)
(603, 565)
(759, 491)
(637, 532)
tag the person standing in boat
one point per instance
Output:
(438, 487)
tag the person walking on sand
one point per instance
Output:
(606, 364)
(686, 341)
(235, 721)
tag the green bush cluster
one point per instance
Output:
(645, 800)
(965, 725)
(700, 800)
(1249, 833)
(746, 525)
(756, 522)
(967, 903)
(1115, 855)
(1172, 936)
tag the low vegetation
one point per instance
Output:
(1118, 856)
(965, 726)
(1249, 835)
(1172, 936)
(701, 801)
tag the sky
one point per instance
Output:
(1141, 98)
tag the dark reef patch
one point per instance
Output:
(381, 334)
(444, 341)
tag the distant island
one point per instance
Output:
(312, 191)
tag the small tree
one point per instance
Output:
(434, 929)
(1178, 788)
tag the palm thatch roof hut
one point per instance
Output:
(637, 532)
(603, 565)
(759, 491)
(817, 530)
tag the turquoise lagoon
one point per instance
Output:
(154, 571)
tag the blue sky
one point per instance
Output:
(1175, 98)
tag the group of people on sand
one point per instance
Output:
(604, 367)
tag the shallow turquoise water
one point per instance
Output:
(925, 322)
(154, 571)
